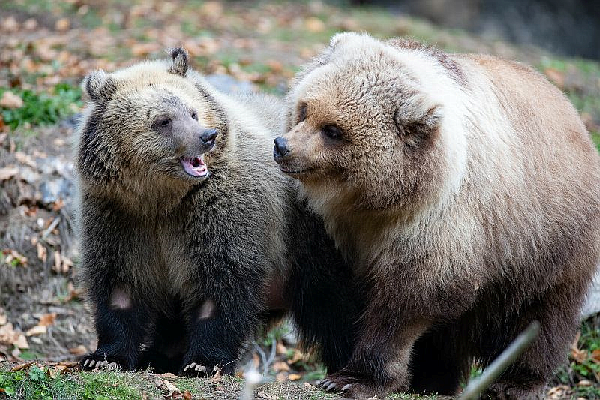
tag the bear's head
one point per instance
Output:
(147, 124)
(368, 126)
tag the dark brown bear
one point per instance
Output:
(189, 233)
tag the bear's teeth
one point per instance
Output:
(194, 166)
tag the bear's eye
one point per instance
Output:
(164, 122)
(332, 132)
(302, 112)
(195, 115)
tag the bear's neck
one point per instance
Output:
(362, 232)
(160, 197)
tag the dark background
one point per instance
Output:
(565, 27)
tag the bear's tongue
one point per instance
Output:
(194, 166)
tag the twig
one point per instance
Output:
(263, 356)
(50, 228)
(252, 379)
(508, 356)
(271, 356)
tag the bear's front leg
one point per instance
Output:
(379, 363)
(211, 349)
(121, 325)
(217, 328)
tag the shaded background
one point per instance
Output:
(565, 27)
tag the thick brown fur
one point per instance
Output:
(180, 268)
(465, 191)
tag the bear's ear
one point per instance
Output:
(415, 131)
(342, 37)
(180, 61)
(97, 85)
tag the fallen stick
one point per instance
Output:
(496, 368)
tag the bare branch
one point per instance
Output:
(495, 369)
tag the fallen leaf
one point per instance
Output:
(21, 342)
(47, 319)
(67, 264)
(314, 25)
(168, 375)
(298, 356)
(143, 49)
(30, 24)
(36, 330)
(294, 377)
(7, 173)
(557, 77)
(41, 251)
(275, 66)
(171, 390)
(579, 355)
(57, 267)
(79, 350)
(281, 349)
(10, 24)
(212, 8)
(11, 100)
(187, 395)
(68, 364)
(280, 366)
(62, 24)
(595, 355)
(12, 257)
(21, 366)
(25, 159)
(74, 293)
(217, 375)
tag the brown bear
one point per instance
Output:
(189, 233)
(465, 192)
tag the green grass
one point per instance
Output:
(38, 383)
(596, 139)
(41, 108)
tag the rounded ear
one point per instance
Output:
(97, 85)
(180, 61)
(345, 36)
(414, 131)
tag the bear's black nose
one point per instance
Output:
(208, 136)
(281, 148)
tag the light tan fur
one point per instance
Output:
(459, 183)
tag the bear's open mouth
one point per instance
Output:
(194, 166)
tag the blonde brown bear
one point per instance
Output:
(465, 191)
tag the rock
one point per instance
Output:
(592, 303)
(228, 84)
(29, 175)
(55, 166)
(56, 189)
(71, 121)
(11, 100)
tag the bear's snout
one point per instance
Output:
(208, 137)
(281, 147)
